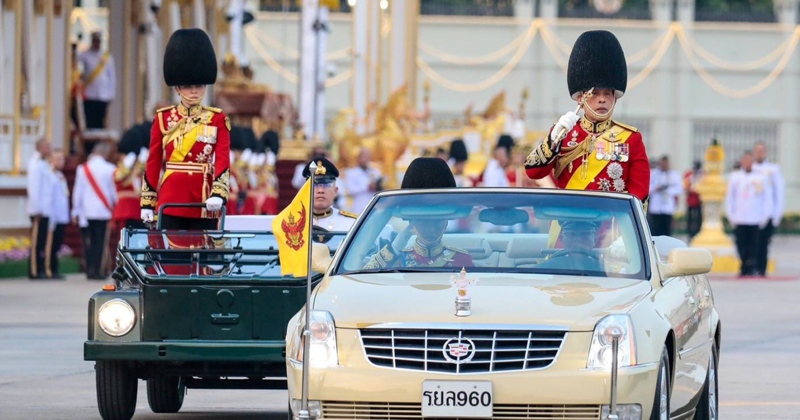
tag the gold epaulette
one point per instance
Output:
(456, 250)
(348, 214)
(166, 108)
(212, 109)
(625, 126)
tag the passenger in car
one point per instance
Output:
(428, 250)
(578, 238)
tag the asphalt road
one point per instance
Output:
(43, 375)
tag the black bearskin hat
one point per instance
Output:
(190, 59)
(458, 150)
(428, 173)
(130, 141)
(238, 138)
(271, 141)
(597, 61)
(506, 141)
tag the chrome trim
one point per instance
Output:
(459, 326)
(425, 359)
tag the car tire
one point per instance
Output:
(117, 388)
(708, 407)
(165, 394)
(663, 388)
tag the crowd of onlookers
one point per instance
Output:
(105, 196)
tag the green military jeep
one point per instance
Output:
(192, 310)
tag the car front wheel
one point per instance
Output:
(708, 407)
(165, 394)
(663, 387)
(116, 390)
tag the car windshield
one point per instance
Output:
(181, 255)
(515, 232)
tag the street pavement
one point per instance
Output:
(43, 375)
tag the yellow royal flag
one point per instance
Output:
(291, 230)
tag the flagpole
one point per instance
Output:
(304, 414)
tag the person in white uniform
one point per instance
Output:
(325, 190)
(59, 215)
(99, 79)
(361, 182)
(666, 186)
(93, 199)
(748, 206)
(38, 196)
(773, 173)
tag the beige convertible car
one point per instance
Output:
(507, 304)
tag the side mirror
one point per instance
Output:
(320, 258)
(687, 262)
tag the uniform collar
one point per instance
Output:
(324, 214)
(189, 112)
(595, 127)
(429, 251)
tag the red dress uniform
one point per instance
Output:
(129, 194)
(191, 148)
(604, 156)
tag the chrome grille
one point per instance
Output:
(389, 411)
(492, 350)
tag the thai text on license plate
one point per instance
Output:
(457, 399)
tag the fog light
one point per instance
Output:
(314, 409)
(624, 411)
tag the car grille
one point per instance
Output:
(383, 410)
(484, 350)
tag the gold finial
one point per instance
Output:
(321, 170)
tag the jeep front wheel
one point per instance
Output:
(165, 394)
(116, 390)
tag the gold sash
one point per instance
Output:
(97, 70)
(577, 182)
(182, 147)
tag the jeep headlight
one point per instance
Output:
(116, 317)
(600, 356)
(322, 349)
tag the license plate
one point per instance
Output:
(457, 399)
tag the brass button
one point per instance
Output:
(190, 154)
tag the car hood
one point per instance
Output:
(362, 300)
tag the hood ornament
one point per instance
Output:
(463, 301)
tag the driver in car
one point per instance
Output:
(578, 238)
(428, 249)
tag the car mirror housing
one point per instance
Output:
(320, 258)
(687, 262)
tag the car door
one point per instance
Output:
(675, 300)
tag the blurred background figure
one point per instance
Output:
(772, 172)
(694, 206)
(38, 197)
(458, 158)
(93, 199)
(749, 206)
(665, 190)
(361, 182)
(99, 81)
(495, 173)
(58, 199)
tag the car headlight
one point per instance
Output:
(322, 349)
(116, 317)
(600, 353)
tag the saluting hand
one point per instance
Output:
(566, 122)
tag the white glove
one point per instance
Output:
(214, 204)
(143, 155)
(399, 243)
(566, 122)
(776, 221)
(129, 160)
(246, 155)
(763, 223)
(147, 215)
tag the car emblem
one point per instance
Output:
(458, 350)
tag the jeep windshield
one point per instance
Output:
(224, 255)
(489, 231)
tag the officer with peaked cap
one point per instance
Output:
(427, 249)
(594, 152)
(325, 190)
(190, 141)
